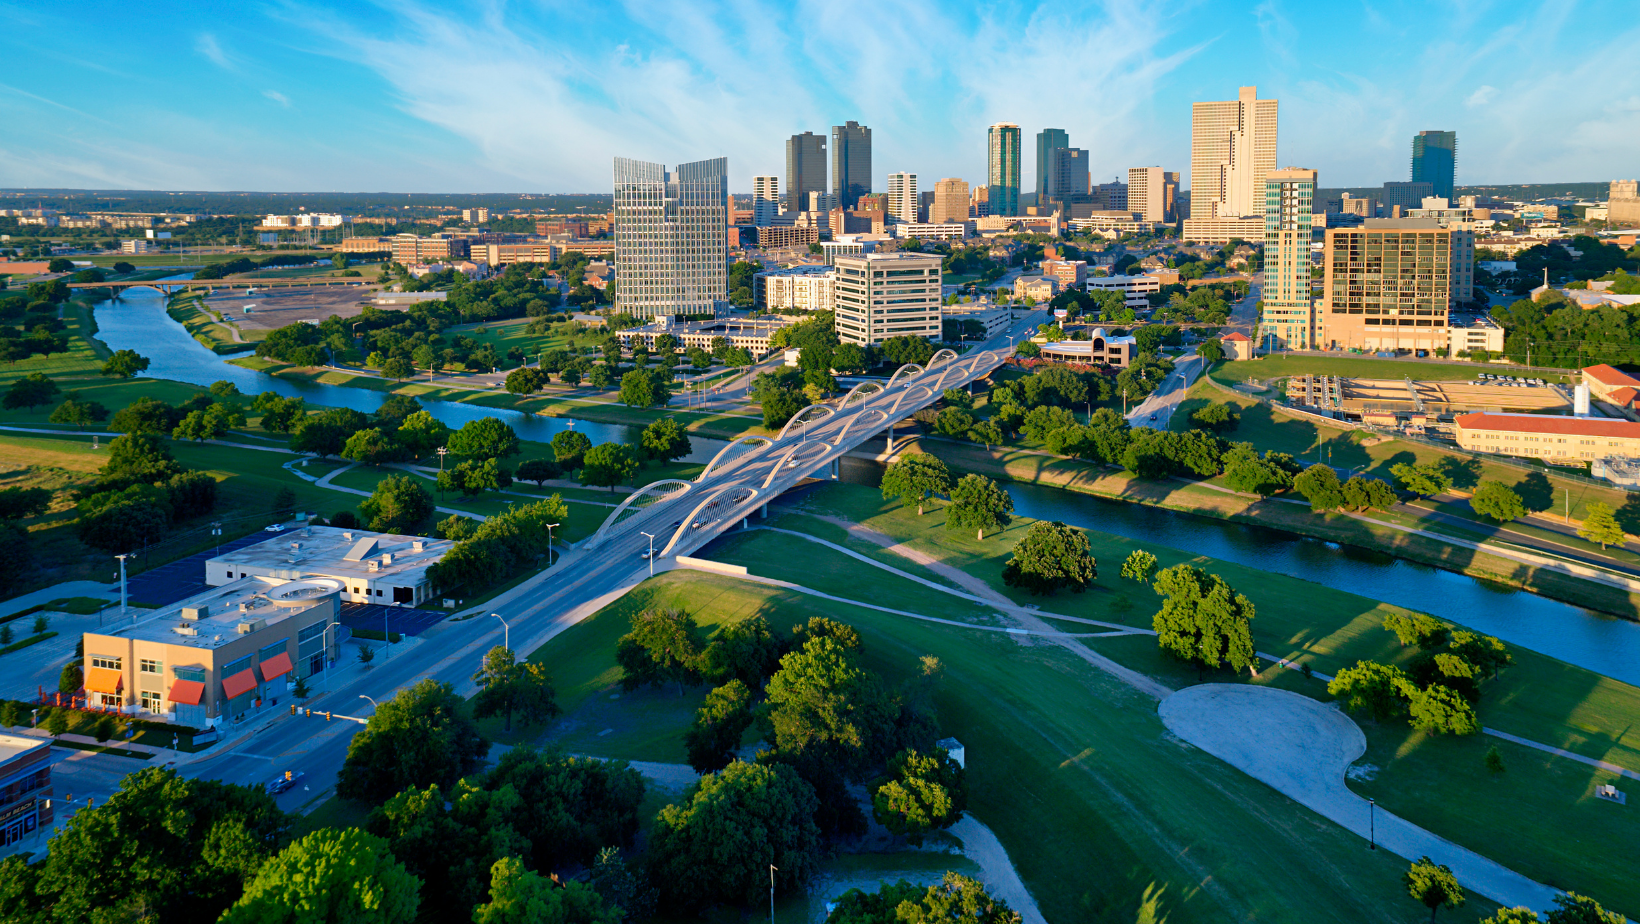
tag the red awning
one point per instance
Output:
(276, 667)
(239, 684)
(187, 692)
(104, 680)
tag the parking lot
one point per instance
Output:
(274, 308)
(182, 578)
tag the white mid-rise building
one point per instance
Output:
(1152, 193)
(935, 231)
(902, 197)
(883, 295)
(796, 288)
(1134, 289)
(765, 200)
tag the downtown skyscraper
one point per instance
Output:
(1002, 167)
(805, 169)
(1288, 320)
(850, 163)
(1435, 161)
(1232, 149)
(671, 238)
(1048, 140)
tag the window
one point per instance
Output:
(148, 666)
(271, 651)
(112, 664)
(152, 701)
(196, 674)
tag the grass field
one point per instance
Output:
(1268, 368)
(508, 334)
(211, 333)
(85, 354)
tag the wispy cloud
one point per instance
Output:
(207, 45)
(277, 97)
(1482, 95)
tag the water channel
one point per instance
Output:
(1601, 643)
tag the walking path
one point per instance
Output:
(1610, 768)
(324, 481)
(1301, 748)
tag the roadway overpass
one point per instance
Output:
(209, 285)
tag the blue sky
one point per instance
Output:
(536, 97)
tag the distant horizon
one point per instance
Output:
(286, 97)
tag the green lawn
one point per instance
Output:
(508, 334)
(212, 334)
(1360, 367)
(84, 357)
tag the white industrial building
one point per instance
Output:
(372, 567)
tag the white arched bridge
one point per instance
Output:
(681, 516)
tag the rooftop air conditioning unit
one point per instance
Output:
(185, 630)
(416, 545)
(195, 613)
(254, 625)
(348, 536)
(374, 566)
(387, 559)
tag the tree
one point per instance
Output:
(79, 412)
(1139, 566)
(539, 471)
(663, 647)
(1203, 620)
(1245, 471)
(30, 392)
(717, 845)
(1433, 886)
(325, 434)
(1210, 350)
(421, 434)
(1319, 485)
(1419, 629)
(1378, 689)
(418, 738)
(279, 414)
(124, 523)
(507, 685)
(340, 875)
(977, 503)
(956, 899)
(665, 440)
(1497, 500)
(524, 380)
(484, 438)
(1572, 908)
(720, 722)
(986, 432)
(71, 679)
(607, 465)
(1486, 653)
(399, 504)
(1494, 760)
(398, 368)
(1052, 556)
(1441, 710)
(921, 793)
(914, 478)
(473, 478)
(822, 709)
(1422, 479)
(1217, 418)
(17, 503)
(638, 390)
(953, 421)
(372, 447)
(1362, 493)
(124, 364)
(1600, 525)
(518, 896)
(568, 447)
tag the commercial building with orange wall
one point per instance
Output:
(1550, 439)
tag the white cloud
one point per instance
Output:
(277, 97)
(207, 45)
(1481, 96)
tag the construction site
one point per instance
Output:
(1416, 406)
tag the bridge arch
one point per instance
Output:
(860, 393)
(878, 414)
(802, 417)
(711, 509)
(943, 356)
(785, 457)
(722, 453)
(630, 510)
(927, 393)
(895, 378)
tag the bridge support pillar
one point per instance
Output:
(835, 468)
(745, 522)
(763, 512)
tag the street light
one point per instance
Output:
(123, 612)
(441, 451)
(506, 632)
(1372, 823)
(373, 703)
(216, 530)
(549, 543)
(651, 552)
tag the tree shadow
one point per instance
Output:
(1465, 473)
(1628, 515)
(1536, 492)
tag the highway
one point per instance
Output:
(681, 519)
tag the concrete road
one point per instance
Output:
(1244, 314)
(1166, 398)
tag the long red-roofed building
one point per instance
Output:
(1552, 439)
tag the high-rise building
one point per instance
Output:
(1232, 148)
(819, 201)
(805, 169)
(671, 249)
(1048, 140)
(850, 163)
(1112, 196)
(1067, 178)
(1288, 320)
(902, 197)
(1623, 204)
(883, 295)
(1354, 205)
(1388, 285)
(1405, 196)
(1435, 161)
(1002, 167)
(765, 200)
(979, 205)
(950, 201)
(1152, 193)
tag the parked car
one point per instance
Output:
(274, 528)
(285, 782)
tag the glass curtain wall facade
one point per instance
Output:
(1002, 167)
(850, 163)
(671, 238)
(1288, 321)
(1048, 140)
(1435, 161)
(805, 169)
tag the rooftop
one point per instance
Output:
(340, 552)
(1610, 375)
(1539, 423)
(16, 746)
(220, 615)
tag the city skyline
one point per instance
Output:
(478, 101)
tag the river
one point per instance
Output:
(1601, 643)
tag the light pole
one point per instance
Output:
(441, 451)
(216, 530)
(1372, 823)
(506, 632)
(549, 543)
(122, 558)
(651, 552)
(772, 869)
(373, 703)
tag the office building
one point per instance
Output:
(1405, 196)
(819, 201)
(1067, 179)
(1152, 193)
(935, 231)
(950, 201)
(780, 237)
(1232, 148)
(1110, 197)
(850, 163)
(1352, 205)
(883, 295)
(765, 200)
(409, 249)
(1002, 168)
(1435, 161)
(1623, 203)
(25, 788)
(1099, 348)
(805, 169)
(1070, 274)
(902, 197)
(1388, 286)
(1288, 321)
(1223, 230)
(372, 567)
(1048, 141)
(750, 334)
(138, 246)
(796, 288)
(221, 655)
(979, 205)
(1136, 290)
(476, 216)
(671, 249)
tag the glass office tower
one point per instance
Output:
(1435, 161)
(850, 163)
(671, 238)
(1002, 170)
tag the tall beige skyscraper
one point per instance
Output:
(950, 201)
(1232, 150)
(1152, 193)
(902, 197)
(765, 200)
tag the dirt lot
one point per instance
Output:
(275, 308)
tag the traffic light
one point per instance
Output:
(327, 715)
(292, 708)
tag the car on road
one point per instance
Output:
(1153, 417)
(645, 554)
(285, 782)
(274, 528)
